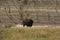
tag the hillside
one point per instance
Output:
(41, 11)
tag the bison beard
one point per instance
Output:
(27, 22)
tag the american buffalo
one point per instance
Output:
(27, 22)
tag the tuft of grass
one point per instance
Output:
(30, 33)
(8, 26)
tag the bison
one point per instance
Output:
(27, 22)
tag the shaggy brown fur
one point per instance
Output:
(27, 22)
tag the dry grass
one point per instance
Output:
(45, 33)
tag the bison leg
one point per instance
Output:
(23, 25)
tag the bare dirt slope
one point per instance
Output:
(41, 11)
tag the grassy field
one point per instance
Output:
(40, 33)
